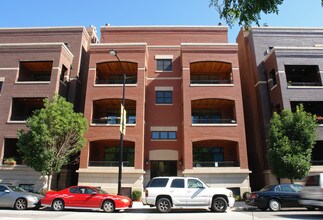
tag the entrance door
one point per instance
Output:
(163, 168)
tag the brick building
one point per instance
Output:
(35, 63)
(281, 68)
(184, 108)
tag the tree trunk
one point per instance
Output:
(49, 182)
(292, 181)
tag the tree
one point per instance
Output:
(54, 133)
(245, 11)
(291, 138)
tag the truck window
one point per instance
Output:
(160, 182)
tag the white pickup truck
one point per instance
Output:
(186, 192)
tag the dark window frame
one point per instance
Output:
(164, 65)
(164, 135)
(164, 97)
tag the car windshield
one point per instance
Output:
(16, 189)
(266, 188)
(101, 190)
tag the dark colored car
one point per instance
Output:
(275, 197)
(85, 197)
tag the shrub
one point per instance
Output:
(244, 195)
(136, 195)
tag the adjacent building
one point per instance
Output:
(184, 108)
(281, 68)
(36, 63)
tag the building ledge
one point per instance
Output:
(125, 170)
(211, 170)
(211, 85)
(305, 87)
(214, 125)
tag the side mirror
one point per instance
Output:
(7, 191)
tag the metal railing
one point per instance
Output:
(216, 164)
(317, 162)
(304, 83)
(211, 81)
(112, 121)
(110, 163)
(117, 81)
(213, 121)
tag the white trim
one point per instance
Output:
(92, 68)
(305, 87)
(185, 68)
(209, 44)
(9, 68)
(2, 79)
(214, 125)
(164, 78)
(164, 88)
(114, 85)
(16, 122)
(119, 44)
(57, 68)
(32, 82)
(164, 46)
(110, 125)
(260, 82)
(141, 68)
(163, 128)
(168, 26)
(211, 85)
(164, 57)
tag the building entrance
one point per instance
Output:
(163, 168)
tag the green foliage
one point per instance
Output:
(136, 195)
(291, 138)
(245, 11)
(244, 195)
(54, 133)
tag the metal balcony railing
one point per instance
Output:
(317, 162)
(216, 164)
(304, 83)
(213, 121)
(211, 81)
(113, 120)
(110, 163)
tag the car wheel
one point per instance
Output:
(219, 204)
(58, 205)
(274, 205)
(163, 205)
(108, 206)
(20, 204)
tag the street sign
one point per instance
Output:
(123, 120)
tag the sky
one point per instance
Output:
(47, 13)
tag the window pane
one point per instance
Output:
(161, 182)
(172, 135)
(177, 183)
(155, 135)
(163, 135)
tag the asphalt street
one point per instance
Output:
(138, 212)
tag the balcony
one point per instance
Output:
(213, 111)
(107, 111)
(303, 75)
(215, 153)
(317, 154)
(211, 73)
(315, 108)
(105, 153)
(23, 108)
(112, 72)
(35, 71)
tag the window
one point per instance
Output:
(160, 182)
(27, 187)
(192, 183)
(74, 190)
(0, 86)
(111, 154)
(3, 188)
(164, 65)
(177, 183)
(164, 135)
(164, 97)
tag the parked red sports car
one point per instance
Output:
(85, 197)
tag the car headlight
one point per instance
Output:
(125, 200)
